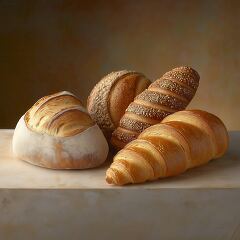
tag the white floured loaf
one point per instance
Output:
(58, 133)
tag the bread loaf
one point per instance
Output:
(183, 140)
(111, 96)
(171, 93)
(57, 132)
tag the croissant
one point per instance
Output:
(111, 96)
(58, 133)
(185, 139)
(171, 93)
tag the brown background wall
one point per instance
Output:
(47, 46)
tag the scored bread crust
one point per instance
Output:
(108, 99)
(58, 133)
(171, 93)
(123, 92)
(60, 114)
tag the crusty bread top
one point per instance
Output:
(112, 95)
(60, 115)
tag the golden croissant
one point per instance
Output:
(185, 139)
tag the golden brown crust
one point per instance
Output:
(168, 131)
(169, 150)
(216, 130)
(123, 92)
(69, 123)
(111, 96)
(149, 152)
(185, 140)
(171, 93)
(201, 148)
(59, 115)
(130, 163)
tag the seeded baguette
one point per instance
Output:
(167, 95)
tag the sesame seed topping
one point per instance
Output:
(133, 124)
(124, 136)
(149, 112)
(173, 91)
(98, 99)
(185, 75)
(162, 99)
(174, 87)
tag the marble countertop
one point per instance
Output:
(16, 174)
